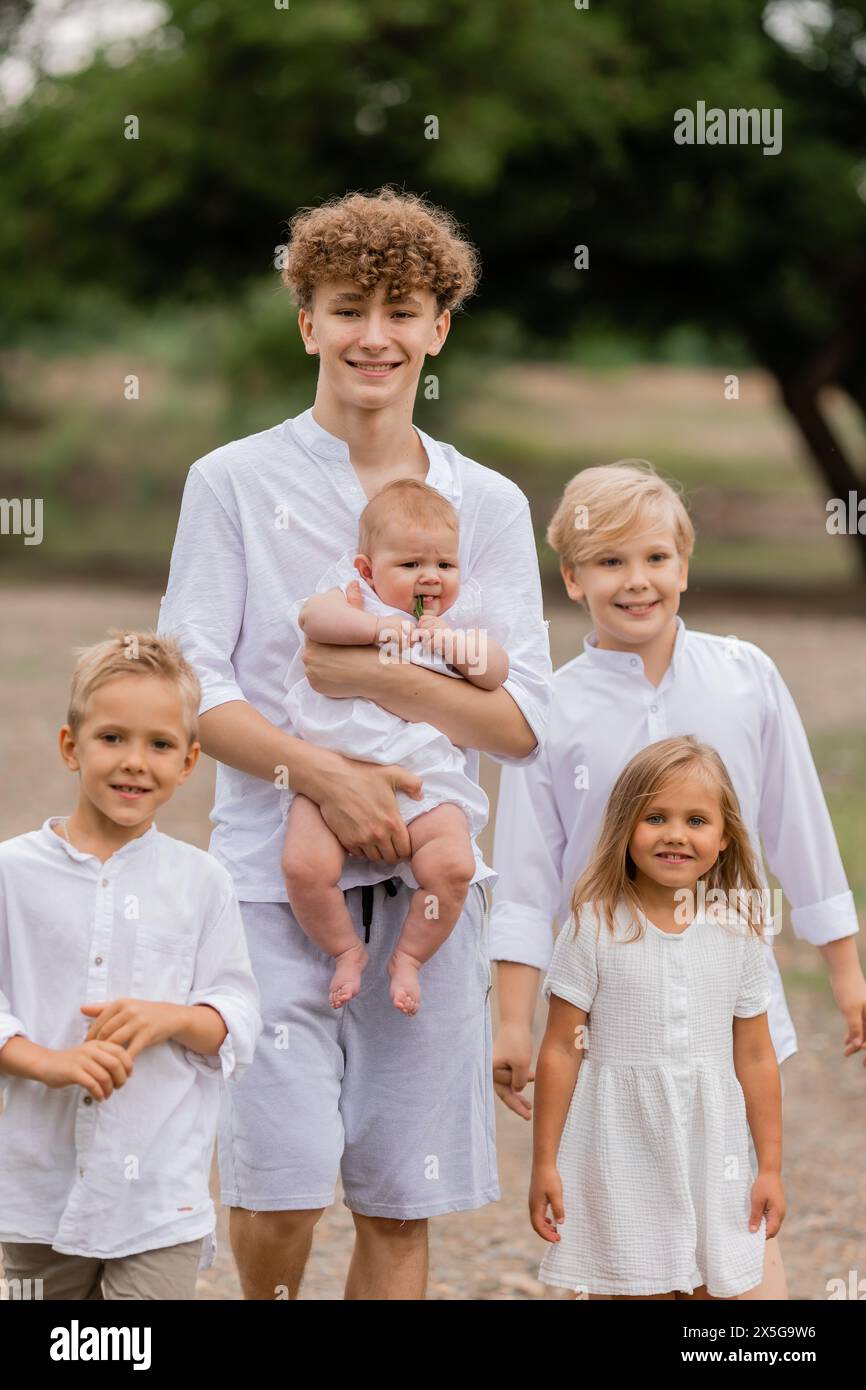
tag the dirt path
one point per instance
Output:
(493, 1254)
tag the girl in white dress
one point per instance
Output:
(657, 1061)
(402, 592)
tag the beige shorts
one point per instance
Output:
(151, 1274)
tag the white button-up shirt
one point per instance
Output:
(729, 694)
(159, 920)
(262, 519)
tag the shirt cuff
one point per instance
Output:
(827, 921)
(10, 1027)
(226, 1059)
(213, 695)
(535, 718)
(521, 935)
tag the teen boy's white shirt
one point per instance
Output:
(262, 518)
(159, 920)
(730, 695)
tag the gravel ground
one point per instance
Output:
(493, 1253)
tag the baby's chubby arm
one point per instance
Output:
(340, 619)
(472, 652)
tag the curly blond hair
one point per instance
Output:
(396, 238)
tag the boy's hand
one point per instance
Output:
(849, 991)
(545, 1190)
(133, 1023)
(512, 1067)
(767, 1196)
(97, 1066)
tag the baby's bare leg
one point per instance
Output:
(443, 863)
(313, 860)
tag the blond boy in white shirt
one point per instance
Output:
(624, 539)
(126, 996)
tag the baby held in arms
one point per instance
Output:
(402, 592)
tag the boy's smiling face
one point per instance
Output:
(131, 749)
(632, 588)
(371, 347)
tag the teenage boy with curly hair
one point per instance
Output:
(401, 1107)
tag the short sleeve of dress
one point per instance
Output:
(753, 994)
(573, 972)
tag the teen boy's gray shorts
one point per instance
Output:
(401, 1108)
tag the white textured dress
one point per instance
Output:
(361, 729)
(655, 1157)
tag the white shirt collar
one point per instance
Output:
(628, 661)
(129, 850)
(440, 473)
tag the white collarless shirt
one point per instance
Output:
(262, 518)
(729, 694)
(158, 920)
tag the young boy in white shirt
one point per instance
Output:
(126, 996)
(624, 539)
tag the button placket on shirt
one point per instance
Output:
(96, 992)
(678, 1019)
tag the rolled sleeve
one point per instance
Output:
(203, 605)
(795, 823)
(10, 1027)
(528, 846)
(827, 921)
(224, 980)
(507, 572)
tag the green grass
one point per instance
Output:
(841, 762)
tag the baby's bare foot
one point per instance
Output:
(346, 981)
(405, 984)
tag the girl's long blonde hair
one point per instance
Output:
(609, 877)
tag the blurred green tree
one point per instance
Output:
(552, 128)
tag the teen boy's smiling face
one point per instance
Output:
(131, 750)
(371, 346)
(410, 563)
(632, 588)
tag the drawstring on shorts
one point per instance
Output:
(390, 886)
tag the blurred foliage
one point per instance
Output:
(555, 129)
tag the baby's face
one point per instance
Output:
(414, 561)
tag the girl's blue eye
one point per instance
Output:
(655, 816)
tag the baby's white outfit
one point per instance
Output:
(361, 729)
(655, 1157)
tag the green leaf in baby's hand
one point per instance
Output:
(419, 606)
